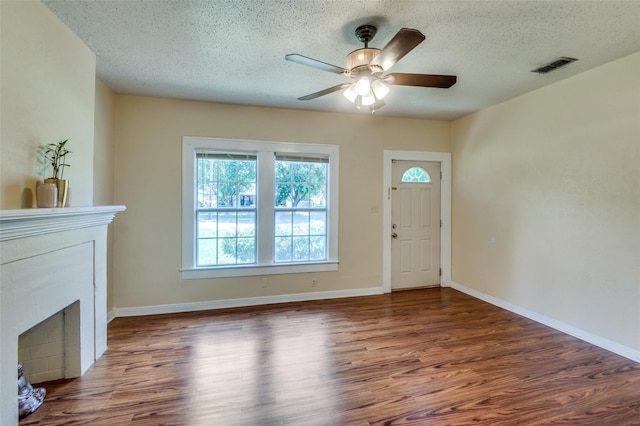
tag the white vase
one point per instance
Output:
(47, 194)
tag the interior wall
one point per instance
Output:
(546, 201)
(48, 85)
(148, 144)
(103, 188)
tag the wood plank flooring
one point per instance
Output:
(420, 357)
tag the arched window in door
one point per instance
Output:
(416, 174)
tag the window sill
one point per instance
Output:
(252, 270)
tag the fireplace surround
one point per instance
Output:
(52, 260)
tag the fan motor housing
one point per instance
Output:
(359, 59)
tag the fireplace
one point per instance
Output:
(42, 348)
(52, 268)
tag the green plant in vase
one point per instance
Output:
(54, 155)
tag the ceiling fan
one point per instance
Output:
(366, 67)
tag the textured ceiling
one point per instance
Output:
(233, 50)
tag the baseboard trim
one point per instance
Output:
(110, 316)
(596, 340)
(238, 303)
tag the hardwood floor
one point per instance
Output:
(422, 357)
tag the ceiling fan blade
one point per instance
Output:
(314, 63)
(421, 80)
(324, 92)
(402, 43)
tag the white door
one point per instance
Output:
(415, 224)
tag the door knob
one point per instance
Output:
(394, 226)
(394, 235)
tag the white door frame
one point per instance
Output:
(444, 158)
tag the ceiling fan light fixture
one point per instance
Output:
(379, 89)
(366, 93)
(350, 93)
(363, 86)
(368, 99)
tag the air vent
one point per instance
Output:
(560, 62)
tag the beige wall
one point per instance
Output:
(104, 145)
(103, 172)
(148, 162)
(554, 177)
(48, 84)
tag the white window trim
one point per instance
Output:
(265, 264)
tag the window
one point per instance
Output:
(225, 209)
(301, 209)
(253, 208)
(416, 174)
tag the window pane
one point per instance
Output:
(246, 250)
(318, 223)
(246, 171)
(283, 249)
(318, 173)
(247, 200)
(207, 252)
(300, 223)
(283, 195)
(227, 224)
(300, 248)
(226, 251)
(283, 224)
(207, 225)
(416, 174)
(207, 195)
(319, 197)
(300, 172)
(246, 224)
(283, 173)
(227, 194)
(317, 248)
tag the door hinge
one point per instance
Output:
(440, 175)
(440, 271)
(440, 223)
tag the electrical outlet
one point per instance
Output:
(313, 282)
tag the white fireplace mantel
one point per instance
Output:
(51, 261)
(21, 223)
